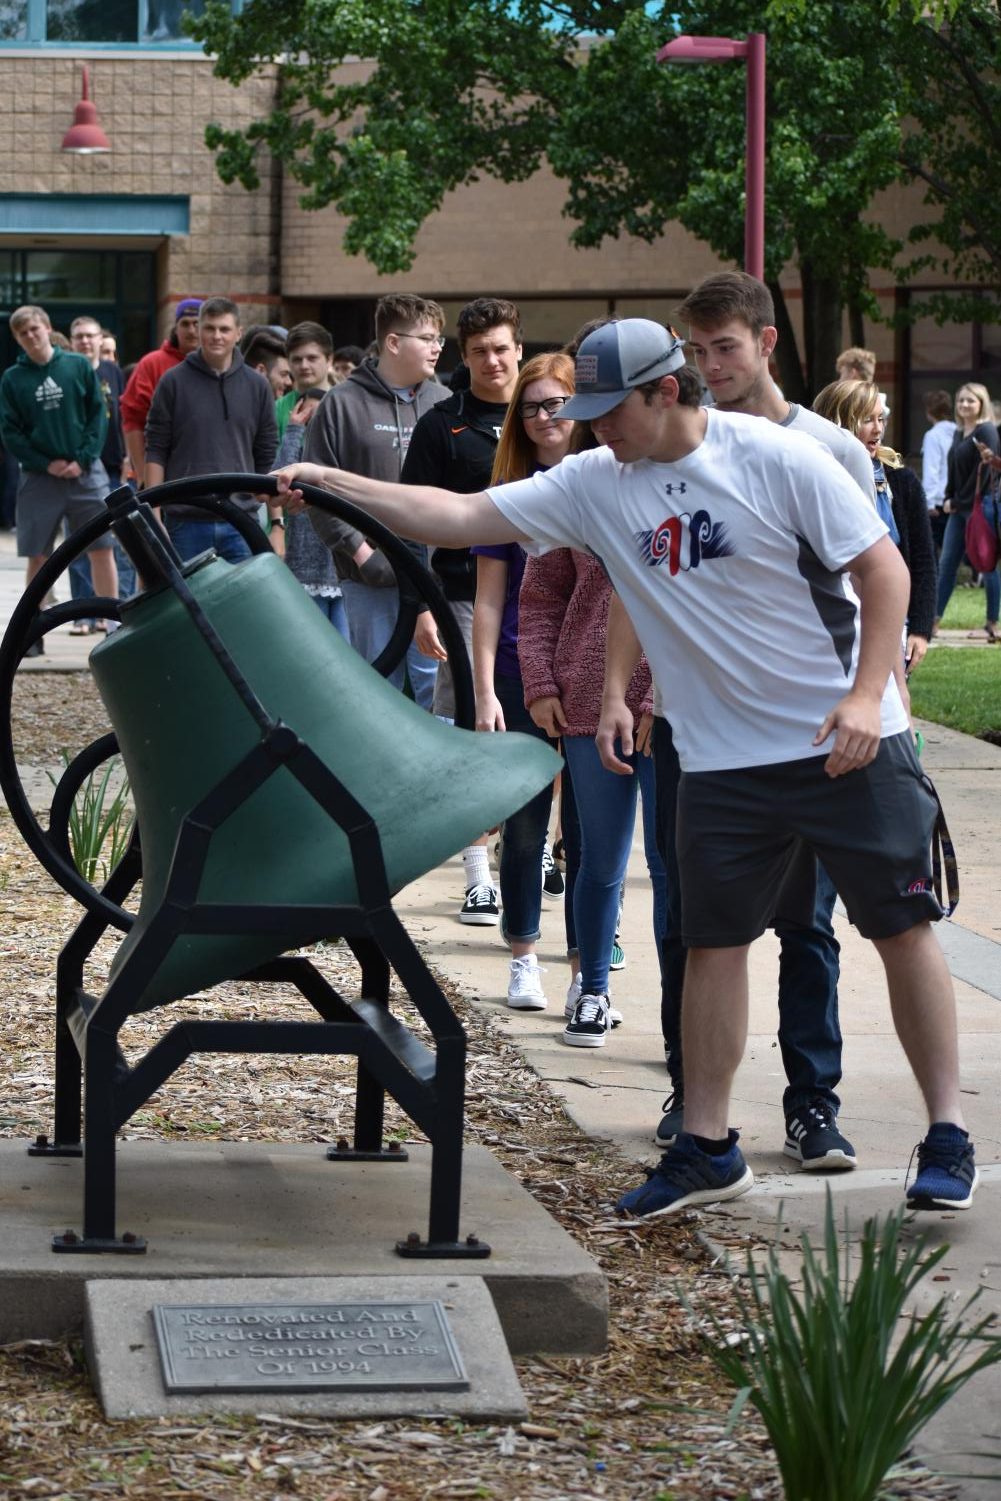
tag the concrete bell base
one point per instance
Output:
(239, 1209)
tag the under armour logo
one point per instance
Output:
(681, 488)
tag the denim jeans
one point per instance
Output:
(606, 810)
(82, 584)
(809, 1032)
(992, 580)
(332, 606)
(192, 537)
(524, 831)
(371, 617)
(953, 547)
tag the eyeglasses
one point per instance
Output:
(433, 341)
(550, 406)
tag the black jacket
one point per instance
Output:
(453, 447)
(910, 512)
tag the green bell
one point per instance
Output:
(431, 789)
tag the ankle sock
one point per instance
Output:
(476, 864)
(710, 1147)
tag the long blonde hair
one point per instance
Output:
(849, 403)
(983, 396)
(515, 457)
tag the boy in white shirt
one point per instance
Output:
(697, 515)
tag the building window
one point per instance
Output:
(108, 23)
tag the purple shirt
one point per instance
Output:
(506, 661)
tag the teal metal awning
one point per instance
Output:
(94, 214)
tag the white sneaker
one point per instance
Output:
(590, 1024)
(573, 996)
(524, 988)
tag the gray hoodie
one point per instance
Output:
(204, 422)
(362, 425)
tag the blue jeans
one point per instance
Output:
(809, 965)
(524, 831)
(332, 606)
(606, 810)
(992, 580)
(82, 585)
(371, 617)
(192, 537)
(953, 547)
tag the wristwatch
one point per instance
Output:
(277, 521)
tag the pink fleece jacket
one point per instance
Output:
(562, 619)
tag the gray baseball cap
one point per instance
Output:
(615, 359)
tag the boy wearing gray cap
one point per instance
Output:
(793, 736)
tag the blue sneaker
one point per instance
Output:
(947, 1173)
(685, 1175)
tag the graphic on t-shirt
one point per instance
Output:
(836, 611)
(683, 541)
(49, 394)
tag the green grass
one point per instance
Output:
(960, 689)
(965, 611)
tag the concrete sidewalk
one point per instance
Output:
(615, 1092)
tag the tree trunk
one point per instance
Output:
(786, 354)
(823, 308)
(856, 326)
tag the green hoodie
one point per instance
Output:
(53, 411)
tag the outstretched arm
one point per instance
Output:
(419, 512)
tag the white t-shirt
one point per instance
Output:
(729, 562)
(935, 447)
(850, 453)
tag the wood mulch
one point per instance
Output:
(646, 1421)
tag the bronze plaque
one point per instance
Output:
(306, 1347)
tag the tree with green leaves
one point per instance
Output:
(460, 88)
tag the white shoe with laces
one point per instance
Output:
(524, 986)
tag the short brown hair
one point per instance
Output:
(856, 363)
(727, 295)
(265, 348)
(689, 387)
(22, 315)
(396, 312)
(938, 406)
(309, 333)
(85, 318)
(487, 312)
(219, 307)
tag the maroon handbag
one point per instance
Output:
(981, 537)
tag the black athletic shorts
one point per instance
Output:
(746, 841)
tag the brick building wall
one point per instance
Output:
(154, 109)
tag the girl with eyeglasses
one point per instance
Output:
(563, 610)
(533, 437)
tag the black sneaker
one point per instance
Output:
(553, 886)
(590, 1023)
(813, 1139)
(36, 649)
(947, 1173)
(673, 1120)
(480, 907)
(687, 1175)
